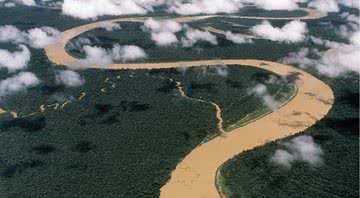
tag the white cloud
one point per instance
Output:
(42, 37)
(301, 148)
(283, 158)
(339, 59)
(193, 7)
(163, 32)
(51, 4)
(237, 38)
(277, 4)
(97, 56)
(291, 32)
(301, 58)
(355, 38)
(12, 3)
(350, 17)
(18, 82)
(36, 37)
(128, 53)
(325, 5)
(91, 9)
(221, 70)
(28, 2)
(69, 78)
(350, 3)
(109, 26)
(14, 60)
(326, 43)
(347, 31)
(9, 33)
(9, 4)
(162, 26)
(78, 43)
(305, 149)
(193, 36)
(164, 38)
(261, 91)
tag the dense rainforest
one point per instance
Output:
(125, 128)
(251, 174)
(126, 134)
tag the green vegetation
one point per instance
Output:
(251, 174)
(122, 142)
(229, 87)
(125, 142)
(253, 11)
(131, 34)
(25, 17)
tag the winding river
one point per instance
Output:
(195, 175)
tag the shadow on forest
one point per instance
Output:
(49, 90)
(83, 147)
(168, 87)
(209, 87)
(11, 170)
(344, 126)
(351, 98)
(109, 113)
(27, 124)
(260, 77)
(164, 71)
(42, 149)
(234, 84)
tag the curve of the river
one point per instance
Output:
(194, 176)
